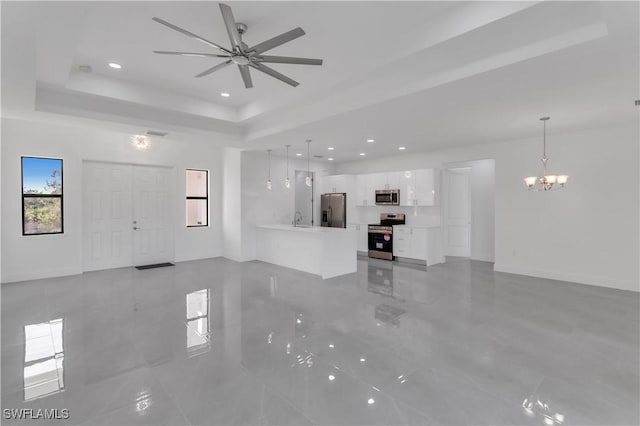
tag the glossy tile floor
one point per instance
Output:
(217, 342)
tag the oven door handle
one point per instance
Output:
(379, 232)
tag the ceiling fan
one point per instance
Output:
(243, 56)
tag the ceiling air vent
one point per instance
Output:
(156, 133)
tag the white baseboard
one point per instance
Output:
(574, 278)
(37, 275)
(484, 257)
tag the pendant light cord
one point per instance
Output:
(544, 139)
(308, 158)
(269, 151)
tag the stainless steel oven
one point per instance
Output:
(381, 235)
(381, 242)
(388, 197)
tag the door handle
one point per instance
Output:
(135, 228)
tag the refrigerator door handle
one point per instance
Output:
(330, 216)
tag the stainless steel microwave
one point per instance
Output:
(388, 197)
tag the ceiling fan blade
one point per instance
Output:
(232, 28)
(204, 55)
(277, 40)
(287, 60)
(246, 76)
(190, 34)
(214, 69)
(273, 73)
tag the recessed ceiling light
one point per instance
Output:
(371, 140)
(363, 154)
(331, 148)
(115, 66)
(225, 94)
(330, 159)
(402, 148)
(298, 154)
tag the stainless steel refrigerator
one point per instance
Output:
(334, 210)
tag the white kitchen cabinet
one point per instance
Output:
(417, 187)
(389, 180)
(407, 188)
(418, 243)
(335, 183)
(402, 241)
(362, 231)
(364, 190)
(425, 187)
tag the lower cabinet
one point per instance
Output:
(363, 236)
(417, 243)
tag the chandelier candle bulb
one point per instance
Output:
(530, 181)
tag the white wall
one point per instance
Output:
(232, 203)
(586, 233)
(30, 257)
(276, 206)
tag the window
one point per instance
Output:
(42, 206)
(197, 198)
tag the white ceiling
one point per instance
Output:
(424, 75)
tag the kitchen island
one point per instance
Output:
(328, 252)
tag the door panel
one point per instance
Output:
(116, 195)
(152, 236)
(458, 217)
(106, 216)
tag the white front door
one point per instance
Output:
(458, 213)
(106, 216)
(152, 236)
(126, 215)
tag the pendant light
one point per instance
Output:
(546, 182)
(307, 181)
(287, 182)
(269, 175)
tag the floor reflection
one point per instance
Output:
(380, 278)
(389, 314)
(43, 359)
(198, 322)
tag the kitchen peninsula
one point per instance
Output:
(328, 252)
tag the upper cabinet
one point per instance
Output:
(418, 187)
(365, 194)
(336, 183)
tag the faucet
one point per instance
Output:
(297, 218)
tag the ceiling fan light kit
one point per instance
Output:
(240, 53)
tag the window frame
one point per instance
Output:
(60, 196)
(206, 198)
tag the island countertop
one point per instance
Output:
(309, 229)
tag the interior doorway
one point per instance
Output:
(457, 216)
(127, 218)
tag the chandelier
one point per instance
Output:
(546, 182)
